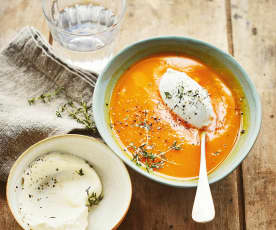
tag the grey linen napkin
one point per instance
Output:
(28, 68)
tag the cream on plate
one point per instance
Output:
(57, 191)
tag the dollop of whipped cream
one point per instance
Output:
(186, 98)
(54, 192)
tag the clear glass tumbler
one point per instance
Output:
(84, 30)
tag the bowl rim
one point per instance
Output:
(26, 152)
(230, 58)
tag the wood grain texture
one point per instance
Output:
(7, 222)
(155, 206)
(159, 207)
(15, 14)
(201, 19)
(254, 39)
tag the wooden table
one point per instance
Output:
(246, 199)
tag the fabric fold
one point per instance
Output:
(28, 68)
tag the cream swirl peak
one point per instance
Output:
(186, 98)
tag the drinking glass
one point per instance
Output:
(84, 30)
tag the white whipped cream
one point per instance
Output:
(186, 98)
(54, 192)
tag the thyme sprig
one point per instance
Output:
(82, 113)
(46, 97)
(92, 198)
(143, 155)
(80, 172)
(175, 146)
(168, 95)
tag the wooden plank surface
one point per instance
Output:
(7, 222)
(201, 19)
(15, 14)
(154, 206)
(254, 45)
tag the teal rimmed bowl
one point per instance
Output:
(206, 53)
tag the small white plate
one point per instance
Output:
(116, 182)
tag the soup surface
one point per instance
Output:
(157, 139)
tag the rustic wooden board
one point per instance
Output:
(15, 14)
(7, 221)
(156, 206)
(201, 19)
(254, 39)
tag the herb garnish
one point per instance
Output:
(80, 172)
(175, 146)
(168, 95)
(136, 160)
(92, 198)
(82, 113)
(216, 153)
(46, 97)
(143, 157)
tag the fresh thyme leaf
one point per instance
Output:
(80, 172)
(81, 113)
(58, 114)
(145, 125)
(145, 158)
(175, 146)
(92, 198)
(131, 145)
(70, 103)
(147, 167)
(157, 165)
(180, 92)
(46, 97)
(31, 101)
(168, 95)
(136, 160)
(146, 154)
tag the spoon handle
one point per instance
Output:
(203, 209)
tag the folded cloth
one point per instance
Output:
(28, 68)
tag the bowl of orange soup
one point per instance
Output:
(140, 128)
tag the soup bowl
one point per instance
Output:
(218, 60)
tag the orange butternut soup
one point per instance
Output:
(157, 139)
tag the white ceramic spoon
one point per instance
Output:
(203, 209)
